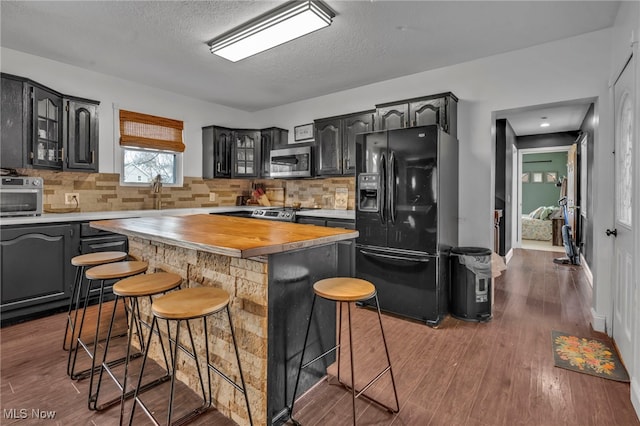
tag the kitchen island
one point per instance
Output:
(268, 268)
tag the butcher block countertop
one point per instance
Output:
(229, 236)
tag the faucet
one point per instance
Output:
(156, 184)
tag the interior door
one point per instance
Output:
(623, 307)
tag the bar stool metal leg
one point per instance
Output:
(130, 290)
(104, 365)
(386, 350)
(178, 307)
(353, 379)
(145, 356)
(102, 272)
(73, 355)
(81, 262)
(244, 388)
(340, 290)
(75, 296)
(301, 365)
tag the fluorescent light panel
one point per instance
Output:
(283, 24)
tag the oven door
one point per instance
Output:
(20, 202)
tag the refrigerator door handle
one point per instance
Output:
(389, 256)
(392, 187)
(383, 192)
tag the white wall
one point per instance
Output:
(125, 94)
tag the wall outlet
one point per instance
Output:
(213, 196)
(72, 198)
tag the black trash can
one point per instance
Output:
(470, 295)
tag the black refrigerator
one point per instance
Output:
(407, 216)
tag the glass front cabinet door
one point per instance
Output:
(47, 150)
(247, 154)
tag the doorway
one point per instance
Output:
(557, 126)
(539, 218)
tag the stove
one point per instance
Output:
(280, 214)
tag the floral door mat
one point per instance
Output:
(589, 356)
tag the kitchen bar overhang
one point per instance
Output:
(269, 269)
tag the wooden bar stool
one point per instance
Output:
(346, 291)
(185, 305)
(102, 273)
(130, 290)
(81, 263)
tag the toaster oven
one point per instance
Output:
(20, 196)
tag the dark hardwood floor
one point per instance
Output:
(461, 373)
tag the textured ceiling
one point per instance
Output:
(163, 43)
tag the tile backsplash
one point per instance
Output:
(103, 192)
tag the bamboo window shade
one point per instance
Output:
(150, 132)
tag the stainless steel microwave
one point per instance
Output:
(291, 162)
(20, 196)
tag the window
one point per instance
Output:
(142, 166)
(151, 146)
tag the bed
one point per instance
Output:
(537, 225)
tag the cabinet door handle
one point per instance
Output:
(62, 154)
(218, 167)
(93, 157)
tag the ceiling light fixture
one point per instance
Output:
(285, 23)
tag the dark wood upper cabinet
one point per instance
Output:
(335, 139)
(43, 129)
(14, 123)
(440, 109)
(328, 146)
(351, 126)
(217, 145)
(239, 153)
(271, 138)
(81, 130)
(392, 116)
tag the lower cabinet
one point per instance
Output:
(36, 269)
(346, 249)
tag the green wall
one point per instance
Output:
(545, 193)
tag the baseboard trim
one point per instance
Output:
(635, 395)
(598, 322)
(508, 256)
(586, 269)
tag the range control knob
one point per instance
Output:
(36, 182)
